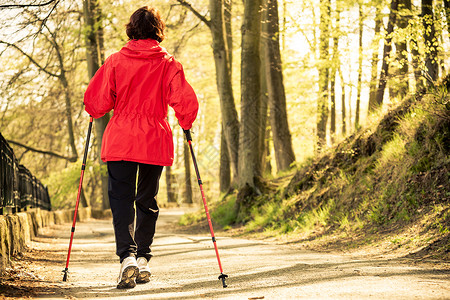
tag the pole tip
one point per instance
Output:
(223, 277)
(65, 271)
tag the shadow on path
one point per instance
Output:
(185, 267)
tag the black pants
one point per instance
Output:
(122, 197)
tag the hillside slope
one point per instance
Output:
(392, 180)
(386, 186)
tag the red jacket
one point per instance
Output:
(138, 83)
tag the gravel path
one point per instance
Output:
(185, 267)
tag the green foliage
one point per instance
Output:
(442, 222)
(262, 217)
(63, 186)
(191, 218)
(392, 153)
(224, 212)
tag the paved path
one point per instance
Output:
(185, 267)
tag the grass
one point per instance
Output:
(392, 153)
(190, 218)
(224, 213)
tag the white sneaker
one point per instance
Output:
(128, 272)
(144, 270)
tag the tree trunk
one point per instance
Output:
(68, 111)
(431, 41)
(360, 61)
(223, 77)
(95, 57)
(386, 54)
(225, 159)
(400, 86)
(416, 59)
(224, 168)
(350, 114)
(284, 153)
(267, 165)
(264, 93)
(334, 66)
(343, 108)
(374, 72)
(171, 195)
(228, 33)
(187, 176)
(322, 104)
(249, 134)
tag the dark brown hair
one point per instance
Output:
(146, 23)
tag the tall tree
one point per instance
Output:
(221, 36)
(360, 63)
(225, 161)
(95, 58)
(431, 41)
(374, 60)
(400, 86)
(322, 103)
(416, 57)
(222, 56)
(282, 141)
(334, 67)
(264, 107)
(386, 54)
(249, 134)
(343, 104)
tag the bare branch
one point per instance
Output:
(26, 5)
(30, 58)
(51, 153)
(44, 21)
(195, 12)
(55, 45)
(186, 35)
(21, 156)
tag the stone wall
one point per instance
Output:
(17, 230)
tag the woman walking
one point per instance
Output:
(138, 83)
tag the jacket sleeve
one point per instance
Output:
(182, 98)
(100, 94)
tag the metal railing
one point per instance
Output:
(19, 189)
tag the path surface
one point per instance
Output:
(185, 267)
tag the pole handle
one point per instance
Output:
(187, 132)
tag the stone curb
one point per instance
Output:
(17, 230)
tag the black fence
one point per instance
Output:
(19, 189)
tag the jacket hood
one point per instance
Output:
(148, 48)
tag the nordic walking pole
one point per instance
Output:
(189, 140)
(83, 167)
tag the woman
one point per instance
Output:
(139, 83)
